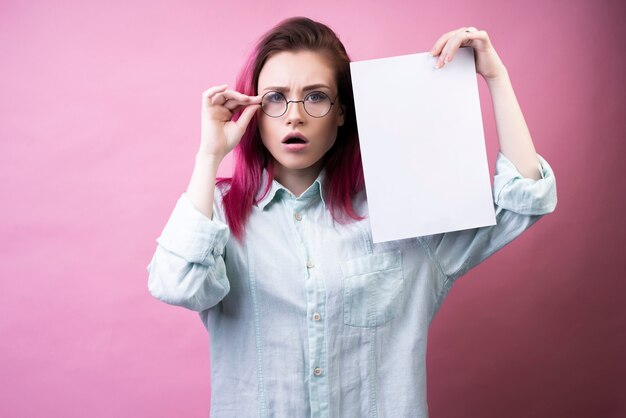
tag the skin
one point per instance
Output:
(219, 134)
(297, 170)
(513, 134)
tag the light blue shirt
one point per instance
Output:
(309, 318)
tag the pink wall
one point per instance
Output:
(100, 123)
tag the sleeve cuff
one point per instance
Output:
(193, 236)
(525, 196)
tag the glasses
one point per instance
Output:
(316, 104)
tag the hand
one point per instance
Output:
(219, 134)
(488, 63)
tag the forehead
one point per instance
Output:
(295, 70)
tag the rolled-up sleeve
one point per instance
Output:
(187, 268)
(511, 191)
(518, 202)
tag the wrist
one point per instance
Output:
(210, 159)
(500, 77)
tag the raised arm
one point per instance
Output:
(219, 135)
(188, 267)
(524, 183)
(513, 134)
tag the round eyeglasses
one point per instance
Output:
(317, 104)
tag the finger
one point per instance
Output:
(449, 48)
(234, 99)
(441, 42)
(243, 97)
(459, 40)
(239, 100)
(210, 92)
(247, 115)
(437, 47)
(231, 104)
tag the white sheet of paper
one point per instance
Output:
(422, 144)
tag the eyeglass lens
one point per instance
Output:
(316, 104)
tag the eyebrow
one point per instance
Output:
(306, 88)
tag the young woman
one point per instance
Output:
(307, 316)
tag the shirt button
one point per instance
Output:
(309, 264)
(298, 216)
(317, 371)
(317, 316)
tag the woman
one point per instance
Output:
(307, 316)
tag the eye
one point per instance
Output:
(316, 97)
(274, 96)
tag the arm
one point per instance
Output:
(188, 267)
(518, 202)
(513, 135)
(524, 184)
(219, 135)
(201, 188)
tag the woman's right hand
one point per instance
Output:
(219, 134)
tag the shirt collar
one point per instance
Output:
(277, 190)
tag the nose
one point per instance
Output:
(295, 113)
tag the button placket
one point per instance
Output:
(315, 300)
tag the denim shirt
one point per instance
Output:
(307, 317)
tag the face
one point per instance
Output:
(294, 71)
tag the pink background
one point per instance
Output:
(100, 124)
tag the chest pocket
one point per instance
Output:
(373, 289)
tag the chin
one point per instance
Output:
(293, 162)
(295, 165)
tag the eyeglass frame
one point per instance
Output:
(298, 101)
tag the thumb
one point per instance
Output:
(246, 116)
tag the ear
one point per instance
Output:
(341, 118)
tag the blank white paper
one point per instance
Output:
(422, 145)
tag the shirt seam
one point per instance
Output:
(432, 258)
(257, 337)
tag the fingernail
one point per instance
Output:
(447, 60)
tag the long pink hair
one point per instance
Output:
(344, 172)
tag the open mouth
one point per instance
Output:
(294, 140)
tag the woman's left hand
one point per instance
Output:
(488, 63)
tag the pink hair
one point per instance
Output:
(344, 172)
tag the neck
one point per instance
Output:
(297, 180)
